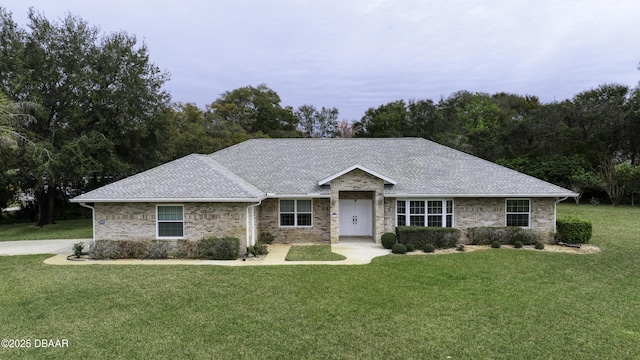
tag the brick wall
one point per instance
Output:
(319, 232)
(137, 221)
(475, 212)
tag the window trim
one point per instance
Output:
(507, 213)
(295, 213)
(407, 214)
(158, 221)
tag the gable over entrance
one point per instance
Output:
(364, 186)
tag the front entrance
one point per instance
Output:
(355, 217)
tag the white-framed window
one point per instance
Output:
(518, 212)
(170, 221)
(436, 213)
(296, 213)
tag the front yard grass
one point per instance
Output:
(63, 229)
(312, 253)
(475, 305)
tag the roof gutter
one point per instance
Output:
(555, 211)
(391, 195)
(251, 228)
(167, 200)
(93, 218)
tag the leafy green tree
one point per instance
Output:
(423, 120)
(314, 123)
(597, 122)
(256, 110)
(581, 181)
(100, 104)
(189, 131)
(389, 120)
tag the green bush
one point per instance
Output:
(158, 249)
(518, 244)
(410, 247)
(388, 239)
(132, 249)
(258, 249)
(265, 238)
(526, 236)
(505, 235)
(496, 244)
(77, 249)
(540, 245)
(429, 248)
(104, 249)
(185, 249)
(398, 248)
(573, 231)
(227, 248)
(419, 236)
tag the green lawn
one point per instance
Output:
(312, 253)
(63, 229)
(495, 304)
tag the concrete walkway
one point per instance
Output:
(31, 247)
(356, 253)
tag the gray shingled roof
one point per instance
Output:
(290, 167)
(191, 178)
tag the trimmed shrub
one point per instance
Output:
(573, 231)
(496, 244)
(104, 249)
(526, 237)
(227, 248)
(132, 249)
(410, 247)
(258, 249)
(185, 249)
(158, 249)
(518, 244)
(419, 236)
(398, 248)
(505, 235)
(429, 248)
(540, 245)
(265, 238)
(388, 239)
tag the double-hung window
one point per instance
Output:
(436, 213)
(296, 213)
(170, 221)
(518, 212)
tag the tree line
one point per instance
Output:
(80, 109)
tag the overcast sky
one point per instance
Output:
(357, 54)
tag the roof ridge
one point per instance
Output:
(215, 165)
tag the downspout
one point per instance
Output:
(555, 212)
(93, 218)
(251, 230)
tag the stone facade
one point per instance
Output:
(137, 221)
(356, 181)
(319, 232)
(476, 212)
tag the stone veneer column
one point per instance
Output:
(358, 180)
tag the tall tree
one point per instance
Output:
(256, 110)
(316, 123)
(100, 103)
(389, 120)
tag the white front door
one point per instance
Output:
(355, 217)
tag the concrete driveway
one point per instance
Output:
(30, 247)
